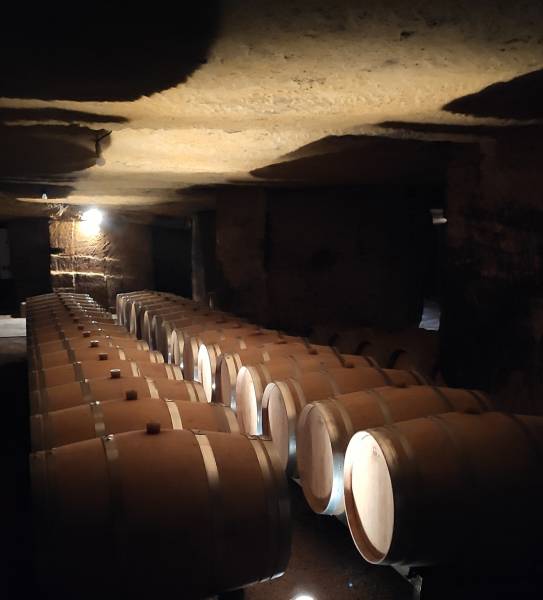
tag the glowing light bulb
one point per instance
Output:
(44, 196)
(91, 220)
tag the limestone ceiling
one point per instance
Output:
(306, 92)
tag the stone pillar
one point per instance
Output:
(241, 252)
(203, 256)
(493, 311)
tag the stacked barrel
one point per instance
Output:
(133, 465)
(414, 466)
(425, 475)
(311, 400)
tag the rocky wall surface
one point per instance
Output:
(492, 321)
(301, 258)
(102, 263)
(241, 253)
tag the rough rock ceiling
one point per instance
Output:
(309, 92)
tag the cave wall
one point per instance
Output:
(294, 259)
(117, 258)
(492, 321)
(29, 260)
(242, 278)
(172, 258)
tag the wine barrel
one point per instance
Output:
(164, 504)
(162, 325)
(66, 319)
(100, 369)
(412, 348)
(209, 354)
(85, 342)
(94, 352)
(325, 428)
(95, 330)
(452, 488)
(176, 331)
(133, 309)
(171, 308)
(283, 401)
(192, 343)
(252, 381)
(97, 419)
(229, 364)
(148, 311)
(124, 305)
(57, 302)
(69, 324)
(113, 388)
(63, 306)
(138, 310)
(55, 296)
(121, 302)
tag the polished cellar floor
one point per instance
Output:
(325, 564)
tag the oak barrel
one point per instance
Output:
(325, 428)
(96, 419)
(160, 513)
(113, 388)
(452, 488)
(283, 401)
(100, 369)
(253, 379)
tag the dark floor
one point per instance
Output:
(15, 523)
(326, 565)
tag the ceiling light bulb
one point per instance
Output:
(93, 216)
